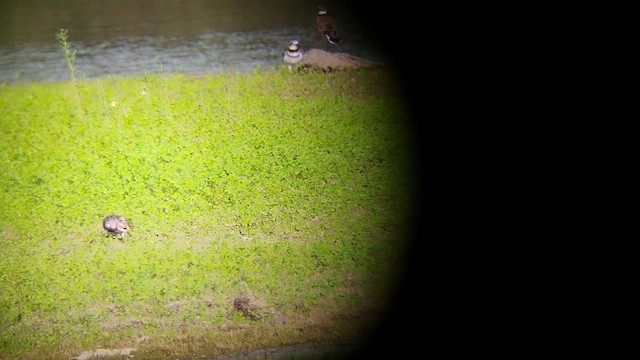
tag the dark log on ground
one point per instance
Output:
(317, 59)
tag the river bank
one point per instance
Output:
(266, 209)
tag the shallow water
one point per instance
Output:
(116, 37)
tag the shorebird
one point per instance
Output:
(326, 26)
(293, 55)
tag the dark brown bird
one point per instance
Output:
(326, 26)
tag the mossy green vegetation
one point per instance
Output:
(266, 208)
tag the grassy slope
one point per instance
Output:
(286, 190)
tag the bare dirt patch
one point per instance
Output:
(105, 353)
(298, 351)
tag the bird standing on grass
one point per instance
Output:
(116, 224)
(326, 26)
(293, 55)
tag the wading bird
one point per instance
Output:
(326, 26)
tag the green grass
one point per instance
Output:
(290, 191)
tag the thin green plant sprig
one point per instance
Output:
(70, 54)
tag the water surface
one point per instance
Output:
(116, 37)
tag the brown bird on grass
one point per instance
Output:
(326, 26)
